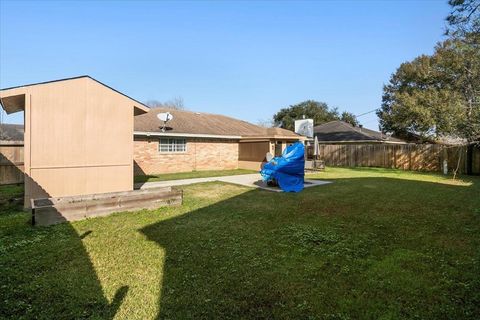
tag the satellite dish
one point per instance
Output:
(269, 156)
(165, 117)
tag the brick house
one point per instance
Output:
(202, 141)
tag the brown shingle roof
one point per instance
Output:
(340, 131)
(198, 123)
(11, 132)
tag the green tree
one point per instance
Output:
(310, 109)
(349, 118)
(464, 20)
(462, 63)
(416, 100)
(439, 94)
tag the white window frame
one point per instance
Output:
(172, 145)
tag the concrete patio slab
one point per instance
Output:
(249, 180)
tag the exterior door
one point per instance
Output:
(278, 148)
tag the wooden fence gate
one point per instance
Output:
(11, 163)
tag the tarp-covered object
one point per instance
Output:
(288, 170)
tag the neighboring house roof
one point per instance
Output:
(11, 100)
(189, 123)
(343, 132)
(451, 141)
(11, 132)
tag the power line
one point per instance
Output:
(367, 112)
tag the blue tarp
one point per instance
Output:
(288, 170)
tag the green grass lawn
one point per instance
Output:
(191, 175)
(374, 244)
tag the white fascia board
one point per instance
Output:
(186, 135)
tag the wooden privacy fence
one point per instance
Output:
(11, 163)
(422, 157)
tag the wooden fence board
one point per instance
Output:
(406, 157)
(420, 157)
(11, 164)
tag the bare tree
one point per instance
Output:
(176, 103)
(265, 123)
(154, 104)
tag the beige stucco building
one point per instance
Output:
(78, 136)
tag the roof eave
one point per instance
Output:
(140, 109)
(361, 141)
(13, 100)
(278, 137)
(12, 142)
(17, 90)
(185, 135)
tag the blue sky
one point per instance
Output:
(244, 59)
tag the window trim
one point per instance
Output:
(172, 147)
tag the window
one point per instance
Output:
(172, 145)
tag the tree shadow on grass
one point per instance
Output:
(358, 248)
(46, 272)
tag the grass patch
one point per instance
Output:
(191, 175)
(8, 192)
(375, 244)
(11, 198)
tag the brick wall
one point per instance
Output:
(201, 154)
